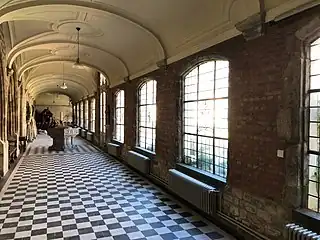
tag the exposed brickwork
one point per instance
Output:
(264, 93)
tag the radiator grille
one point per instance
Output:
(296, 232)
(139, 162)
(195, 192)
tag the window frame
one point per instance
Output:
(86, 114)
(93, 114)
(120, 93)
(154, 135)
(102, 108)
(307, 129)
(82, 114)
(204, 173)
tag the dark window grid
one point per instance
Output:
(119, 132)
(206, 99)
(217, 138)
(310, 108)
(121, 136)
(143, 137)
(197, 100)
(118, 123)
(143, 95)
(317, 166)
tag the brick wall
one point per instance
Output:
(264, 93)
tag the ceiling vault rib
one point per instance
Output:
(31, 83)
(59, 60)
(17, 51)
(89, 5)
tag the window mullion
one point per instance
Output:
(197, 139)
(214, 119)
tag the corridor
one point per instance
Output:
(84, 194)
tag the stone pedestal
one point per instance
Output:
(57, 135)
(69, 136)
(4, 157)
(62, 137)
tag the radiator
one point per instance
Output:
(296, 232)
(197, 193)
(83, 133)
(90, 136)
(113, 149)
(139, 161)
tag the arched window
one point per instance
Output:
(75, 115)
(119, 120)
(86, 114)
(102, 79)
(147, 109)
(78, 114)
(103, 99)
(205, 117)
(314, 128)
(81, 115)
(93, 114)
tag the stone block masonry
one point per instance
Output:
(264, 107)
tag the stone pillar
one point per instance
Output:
(17, 114)
(4, 158)
(4, 145)
(23, 105)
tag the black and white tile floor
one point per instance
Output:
(87, 195)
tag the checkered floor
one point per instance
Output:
(91, 196)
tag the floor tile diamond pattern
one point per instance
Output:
(92, 196)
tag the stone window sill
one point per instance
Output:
(205, 177)
(117, 142)
(149, 154)
(307, 219)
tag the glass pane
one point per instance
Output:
(205, 118)
(221, 93)
(316, 42)
(193, 73)
(206, 86)
(222, 73)
(313, 188)
(313, 173)
(314, 160)
(190, 117)
(151, 116)
(315, 67)
(205, 154)
(142, 115)
(315, 82)
(314, 144)
(315, 52)
(315, 99)
(314, 129)
(206, 67)
(222, 64)
(313, 203)
(143, 94)
(190, 149)
(221, 118)
(314, 114)
(191, 81)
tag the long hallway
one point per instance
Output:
(84, 194)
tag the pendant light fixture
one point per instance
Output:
(77, 64)
(63, 86)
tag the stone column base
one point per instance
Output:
(4, 157)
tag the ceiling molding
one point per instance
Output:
(15, 8)
(41, 81)
(65, 77)
(16, 51)
(59, 60)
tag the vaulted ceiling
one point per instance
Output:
(119, 38)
